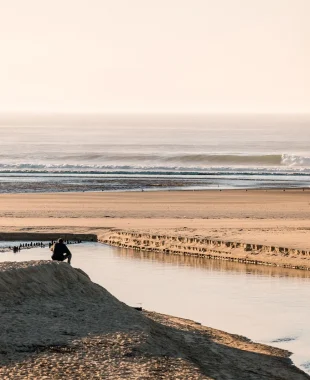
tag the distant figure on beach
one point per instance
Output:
(61, 251)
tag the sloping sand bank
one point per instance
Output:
(56, 323)
(200, 246)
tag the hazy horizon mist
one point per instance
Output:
(155, 56)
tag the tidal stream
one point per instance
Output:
(266, 304)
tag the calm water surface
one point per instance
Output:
(266, 304)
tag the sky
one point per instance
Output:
(154, 56)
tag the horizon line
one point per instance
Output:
(124, 114)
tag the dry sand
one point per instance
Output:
(273, 218)
(266, 217)
(57, 324)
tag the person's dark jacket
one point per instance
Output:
(58, 251)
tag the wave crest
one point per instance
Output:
(156, 162)
(295, 160)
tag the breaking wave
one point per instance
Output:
(156, 162)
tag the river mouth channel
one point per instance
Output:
(266, 304)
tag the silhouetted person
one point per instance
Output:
(61, 251)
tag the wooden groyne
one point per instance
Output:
(45, 236)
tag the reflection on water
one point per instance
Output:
(213, 265)
(266, 304)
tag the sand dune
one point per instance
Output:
(58, 324)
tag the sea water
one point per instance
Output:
(79, 153)
(267, 304)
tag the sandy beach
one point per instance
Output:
(273, 218)
(229, 224)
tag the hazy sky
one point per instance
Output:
(154, 56)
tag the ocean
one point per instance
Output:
(134, 153)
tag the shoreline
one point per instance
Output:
(58, 183)
(164, 190)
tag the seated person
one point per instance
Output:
(61, 251)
